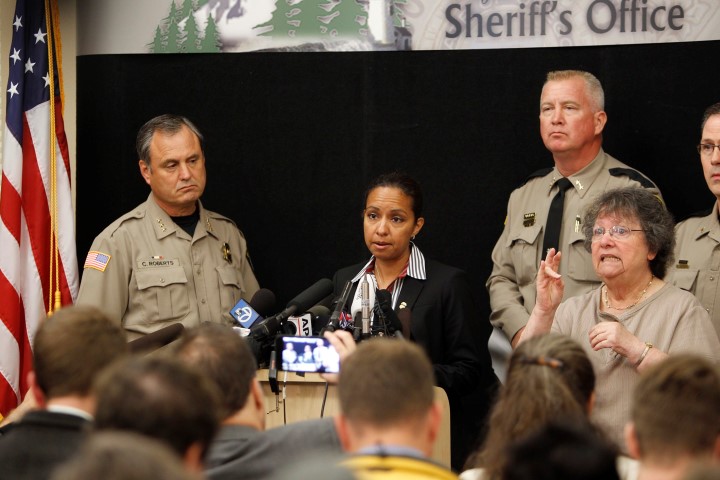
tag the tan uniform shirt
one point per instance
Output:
(697, 261)
(157, 274)
(518, 252)
(671, 319)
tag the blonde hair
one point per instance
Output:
(593, 87)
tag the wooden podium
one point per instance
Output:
(301, 398)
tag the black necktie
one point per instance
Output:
(554, 218)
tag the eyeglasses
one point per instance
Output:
(616, 231)
(707, 149)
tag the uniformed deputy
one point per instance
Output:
(571, 124)
(697, 247)
(169, 260)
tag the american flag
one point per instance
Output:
(35, 198)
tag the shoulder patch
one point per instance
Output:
(537, 174)
(97, 260)
(632, 175)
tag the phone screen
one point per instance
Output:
(307, 354)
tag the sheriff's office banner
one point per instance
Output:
(38, 266)
(192, 26)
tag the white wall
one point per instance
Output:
(68, 32)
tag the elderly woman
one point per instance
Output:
(635, 319)
(442, 313)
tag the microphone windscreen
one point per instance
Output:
(318, 310)
(312, 295)
(263, 302)
(318, 323)
(157, 339)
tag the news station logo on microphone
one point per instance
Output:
(300, 326)
(244, 314)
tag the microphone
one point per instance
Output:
(263, 302)
(365, 306)
(320, 316)
(334, 321)
(364, 297)
(385, 311)
(156, 339)
(245, 314)
(308, 297)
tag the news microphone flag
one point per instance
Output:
(38, 264)
(244, 314)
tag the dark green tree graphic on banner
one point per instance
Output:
(179, 32)
(318, 18)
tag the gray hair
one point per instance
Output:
(593, 87)
(168, 124)
(650, 212)
(713, 109)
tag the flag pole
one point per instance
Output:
(54, 294)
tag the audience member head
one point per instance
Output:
(643, 206)
(562, 449)
(162, 398)
(387, 397)
(225, 359)
(70, 348)
(123, 456)
(703, 471)
(675, 414)
(549, 376)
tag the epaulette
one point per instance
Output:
(632, 175)
(218, 216)
(134, 214)
(537, 174)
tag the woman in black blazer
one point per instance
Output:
(442, 314)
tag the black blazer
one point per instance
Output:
(445, 322)
(40, 441)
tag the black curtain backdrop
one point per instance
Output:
(293, 138)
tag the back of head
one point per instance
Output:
(71, 347)
(593, 87)
(224, 358)
(123, 456)
(386, 382)
(676, 408)
(549, 376)
(564, 449)
(161, 398)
